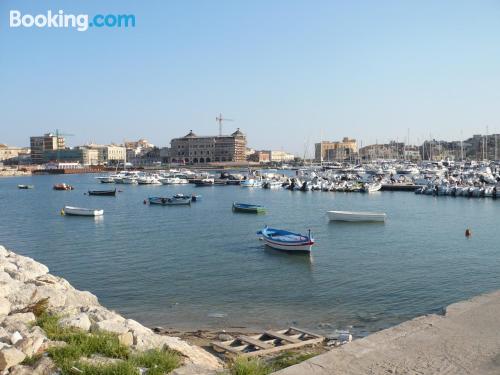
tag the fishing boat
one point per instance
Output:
(370, 188)
(248, 208)
(356, 216)
(204, 182)
(79, 211)
(106, 179)
(165, 201)
(25, 187)
(63, 187)
(284, 240)
(103, 193)
(193, 197)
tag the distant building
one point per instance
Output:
(391, 150)
(281, 156)
(109, 154)
(40, 144)
(335, 151)
(193, 149)
(10, 154)
(81, 155)
(260, 157)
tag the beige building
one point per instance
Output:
(46, 142)
(109, 154)
(8, 153)
(331, 151)
(208, 149)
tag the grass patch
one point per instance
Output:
(288, 359)
(82, 344)
(157, 361)
(249, 366)
(256, 366)
(30, 361)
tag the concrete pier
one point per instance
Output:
(466, 340)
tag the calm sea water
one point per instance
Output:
(204, 267)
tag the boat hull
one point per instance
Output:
(78, 211)
(352, 216)
(248, 208)
(287, 241)
(103, 193)
(160, 201)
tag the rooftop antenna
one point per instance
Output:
(219, 119)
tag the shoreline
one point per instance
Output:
(464, 340)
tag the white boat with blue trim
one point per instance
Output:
(281, 239)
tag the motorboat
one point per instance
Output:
(63, 186)
(356, 216)
(23, 187)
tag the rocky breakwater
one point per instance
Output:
(27, 288)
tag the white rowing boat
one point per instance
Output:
(356, 216)
(78, 211)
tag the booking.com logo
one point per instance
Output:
(80, 22)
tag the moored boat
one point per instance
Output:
(25, 186)
(371, 187)
(248, 208)
(285, 240)
(103, 193)
(356, 216)
(165, 201)
(63, 186)
(79, 211)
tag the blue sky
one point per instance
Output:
(289, 72)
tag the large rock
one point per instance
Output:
(24, 318)
(4, 306)
(99, 313)
(79, 298)
(19, 294)
(10, 357)
(3, 251)
(80, 321)
(30, 345)
(195, 355)
(112, 326)
(27, 269)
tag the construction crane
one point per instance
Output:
(57, 140)
(219, 119)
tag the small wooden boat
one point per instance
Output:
(63, 187)
(79, 211)
(248, 208)
(193, 197)
(356, 216)
(284, 240)
(165, 201)
(25, 187)
(103, 193)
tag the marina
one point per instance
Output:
(358, 277)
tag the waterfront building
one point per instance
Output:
(260, 157)
(10, 154)
(109, 154)
(82, 155)
(194, 149)
(391, 150)
(335, 151)
(46, 142)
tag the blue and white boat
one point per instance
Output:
(284, 240)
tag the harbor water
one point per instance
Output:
(203, 266)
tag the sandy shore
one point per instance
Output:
(466, 340)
